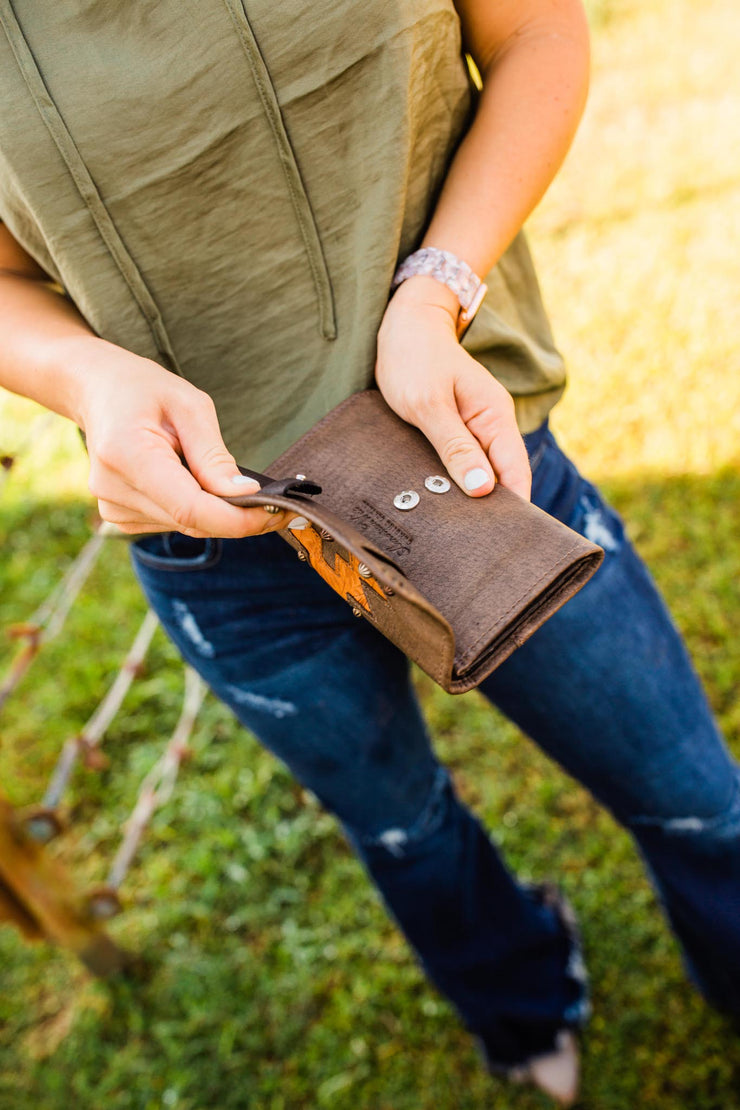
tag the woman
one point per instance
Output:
(225, 200)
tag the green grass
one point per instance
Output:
(270, 976)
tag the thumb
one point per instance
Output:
(464, 458)
(488, 412)
(207, 456)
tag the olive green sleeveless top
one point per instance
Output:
(226, 186)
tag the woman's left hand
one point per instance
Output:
(432, 382)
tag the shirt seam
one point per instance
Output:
(291, 171)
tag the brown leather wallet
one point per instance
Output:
(457, 583)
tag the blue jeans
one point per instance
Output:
(605, 687)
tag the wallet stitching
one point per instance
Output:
(563, 560)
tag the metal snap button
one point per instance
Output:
(407, 499)
(436, 483)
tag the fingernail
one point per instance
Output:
(298, 523)
(243, 480)
(475, 478)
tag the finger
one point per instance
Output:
(488, 411)
(207, 456)
(260, 522)
(188, 508)
(119, 503)
(167, 494)
(145, 517)
(123, 524)
(135, 528)
(463, 456)
(120, 518)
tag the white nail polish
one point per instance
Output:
(475, 478)
(298, 523)
(243, 480)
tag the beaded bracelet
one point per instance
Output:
(452, 272)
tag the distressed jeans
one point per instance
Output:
(605, 688)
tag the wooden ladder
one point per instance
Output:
(39, 897)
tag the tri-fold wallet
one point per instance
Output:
(456, 582)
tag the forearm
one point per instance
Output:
(44, 337)
(533, 56)
(534, 91)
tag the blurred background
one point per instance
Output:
(271, 976)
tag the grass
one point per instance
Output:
(271, 978)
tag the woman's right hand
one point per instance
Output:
(140, 421)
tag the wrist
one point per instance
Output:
(449, 272)
(424, 290)
(75, 365)
(420, 307)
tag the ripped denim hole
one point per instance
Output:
(725, 824)
(274, 707)
(596, 526)
(190, 628)
(396, 840)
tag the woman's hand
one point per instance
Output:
(533, 59)
(139, 422)
(432, 382)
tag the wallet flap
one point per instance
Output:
(475, 560)
(479, 575)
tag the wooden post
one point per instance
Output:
(38, 896)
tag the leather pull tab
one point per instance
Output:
(281, 486)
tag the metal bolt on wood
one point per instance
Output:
(42, 825)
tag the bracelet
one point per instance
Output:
(452, 272)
